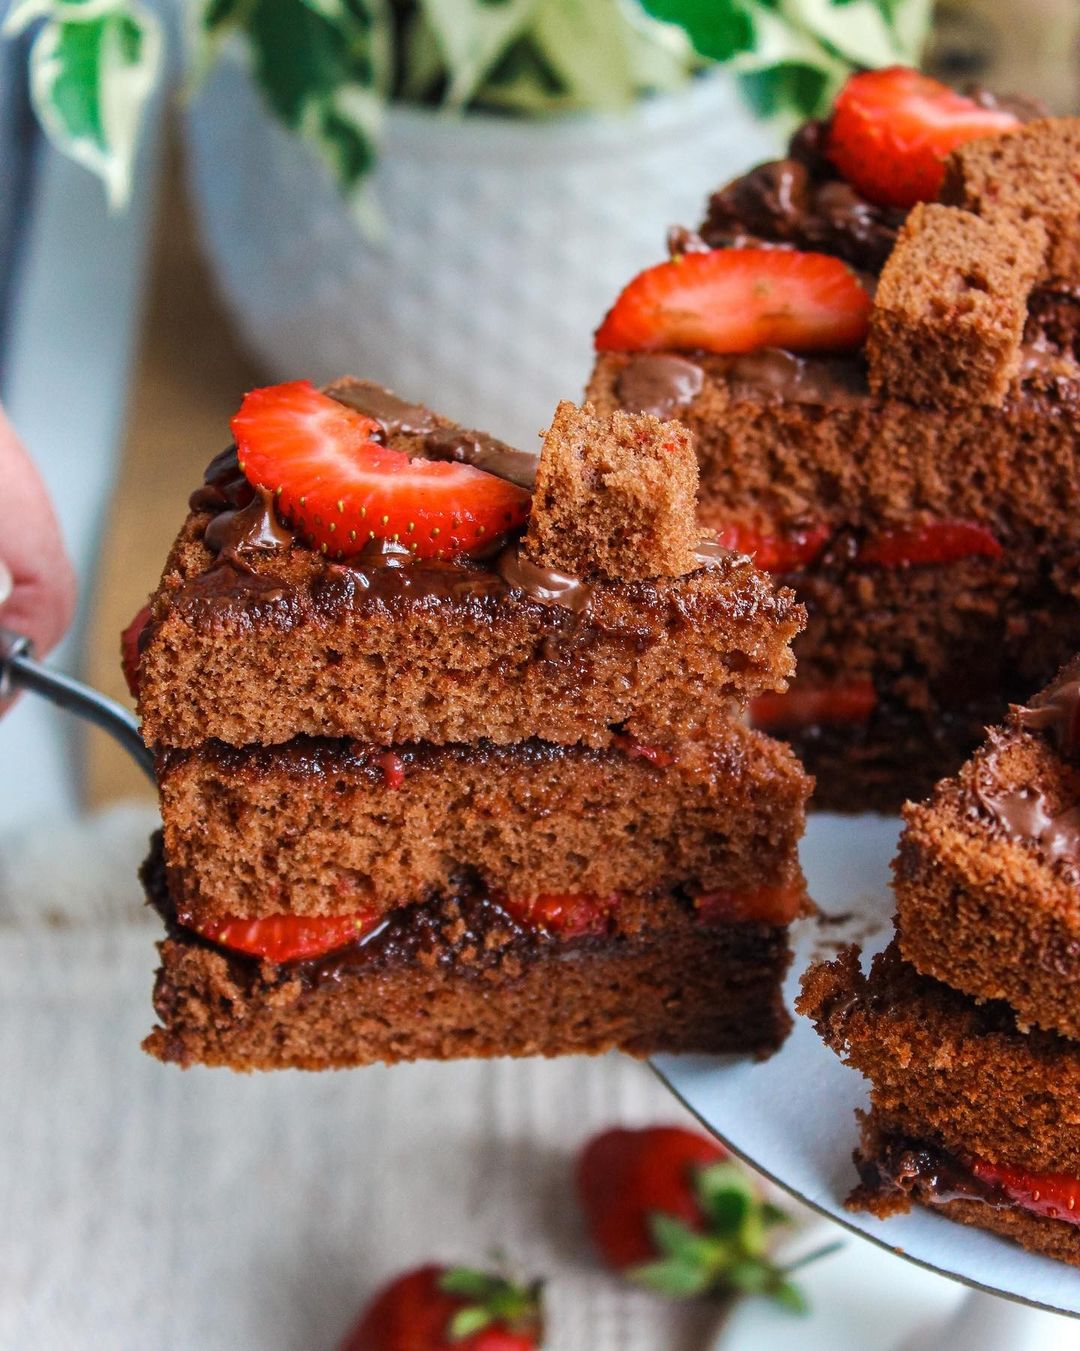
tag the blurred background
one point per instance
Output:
(442, 195)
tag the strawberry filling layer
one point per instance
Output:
(933, 544)
(849, 703)
(938, 1177)
(294, 938)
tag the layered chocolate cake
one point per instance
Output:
(875, 341)
(969, 1114)
(451, 747)
(966, 1027)
(988, 875)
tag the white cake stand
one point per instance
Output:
(792, 1118)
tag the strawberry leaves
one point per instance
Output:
(493, 1299)
(730, 1255)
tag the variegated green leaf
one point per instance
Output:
(89, 81)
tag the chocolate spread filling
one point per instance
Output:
(929, 1173)
(801, 201)
(659, 384)
(255, 528)
(1024, 814)
(1056, 711)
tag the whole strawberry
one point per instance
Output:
(450, 1309)
(670, 1209)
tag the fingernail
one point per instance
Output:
(7, 584)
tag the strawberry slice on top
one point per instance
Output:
(892, 130)
(738, 300)
(340, 488)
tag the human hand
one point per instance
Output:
(37, 581)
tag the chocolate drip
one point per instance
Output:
(482, 452)
(659, 384)
(224, 484)
(396, 416)
(1056, 711)
(251, 529)
(709, 554)
(773, 372)
(932, 1174)
(801, 201)
(543, 584)
(1024, 814)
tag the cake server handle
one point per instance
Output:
(20, 671)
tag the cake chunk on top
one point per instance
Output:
(1032, 173)
(616, 497)
(949, 314)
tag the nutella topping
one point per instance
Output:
(482, 452)
(935, 1175)
(543, 584)
(709, 553)
(838, 381)
(659, 384)
(397, 416)
(224, 484)
(1056, 711)
(801, 201)
(1024, 814)
(251, 529)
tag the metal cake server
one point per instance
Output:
(19, 670)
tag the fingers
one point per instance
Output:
(37, 581)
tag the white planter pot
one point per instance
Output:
(506, 240)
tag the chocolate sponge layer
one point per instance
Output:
(989, 913)
(945, 1068)
(293, 645)
(451, 979)
(329, 827)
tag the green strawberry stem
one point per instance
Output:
(493, 1299)
(729, 1255)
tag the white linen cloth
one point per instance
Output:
(147, 1207)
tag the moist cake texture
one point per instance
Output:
(932, 466)
(318, 827)
(474, 782)
(967, 1112)
(988, 874)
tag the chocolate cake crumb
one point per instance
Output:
(950, 308)
(615, 497)
(1029, 175)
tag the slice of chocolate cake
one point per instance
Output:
(988, 876)
(886, 409)
(448, 769)
(969, 1115)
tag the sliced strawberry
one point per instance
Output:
(568, 914)
(287, 938)
(1054, 1195)
(762, 905)
(938, 542)
(341, 489)
(848, 702)
(637, 750)
(737, 300)
(129, 649)
(892, 130)
(771, 550)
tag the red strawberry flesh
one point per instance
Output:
(341, 488)
(567, 914)
(129, 649)
(1053, 1195)
(892, 130)
(771, 550)
(938, 542)
(625, 1176)
(763, 905)
(739, 300)
(845, 703)
(286, 937)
